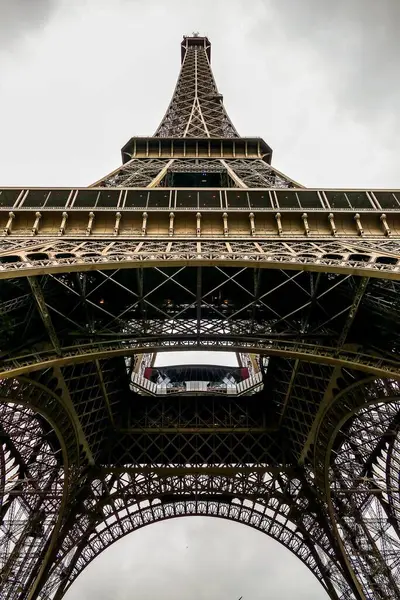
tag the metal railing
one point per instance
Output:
(142, 385)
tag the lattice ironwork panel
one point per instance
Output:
(196, 109)
(262, 501)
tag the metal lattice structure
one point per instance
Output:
(197, 242)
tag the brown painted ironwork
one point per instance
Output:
(197, 242)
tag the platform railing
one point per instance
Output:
(142, 385)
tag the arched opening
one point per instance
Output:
(260, 502)
(362, 481)
(197, 558)
(264, 322)
(37, 443)
(10, 259)
(333, 256)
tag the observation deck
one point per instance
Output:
(203, 213)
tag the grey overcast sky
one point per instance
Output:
(318, 79)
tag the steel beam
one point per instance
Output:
(44, 313)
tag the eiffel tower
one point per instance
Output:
(197, 243)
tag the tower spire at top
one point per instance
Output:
(196, 108)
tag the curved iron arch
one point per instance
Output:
(45, 402)
(24, 406)
(178, 510)
(380, 366)
(96, 254)
(393, 478)
(257, 505)
(348, 448)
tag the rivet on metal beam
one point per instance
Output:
(61, 231)
(35, 227)
(198, 224)
(117, 222)
(8, 227)
(144, 223)
(171, 224)
(357, 219)
(304, 216)
(332, 223)
(279, 223)
(225, 219)
(385, 225)
(90, 223)
(252, 224)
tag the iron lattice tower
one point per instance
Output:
(197, 242)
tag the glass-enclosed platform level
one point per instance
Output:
(207, 213)
(200, 198)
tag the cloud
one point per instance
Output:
(200, 558)
(357, 40)
(319, 80)
(316, 79)
(19, 18)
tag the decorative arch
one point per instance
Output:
(37, 448)
(52, 255)
(380, 366)
(263, 502)
(356, 458)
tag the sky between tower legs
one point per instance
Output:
(317, 79)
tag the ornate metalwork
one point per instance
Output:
(196, 109)
(156, 172)
(227, 254)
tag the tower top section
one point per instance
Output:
(196, 109)
(195, 40)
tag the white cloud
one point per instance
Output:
(196, 358)
(75, 88)
(200, 558)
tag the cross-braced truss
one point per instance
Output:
(159, 172)
(309, 455)
(196, 109)
(122, 502)
(35, 476)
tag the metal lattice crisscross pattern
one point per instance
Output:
(196, 109)
(362, 497)
(94, 282)
(261, 500)
(153, 172)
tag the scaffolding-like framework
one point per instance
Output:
(197, 242)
